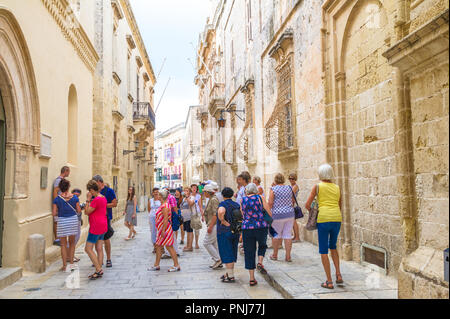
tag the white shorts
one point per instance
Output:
(283, 227)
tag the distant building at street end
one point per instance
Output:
(169, 149)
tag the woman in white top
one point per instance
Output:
(153, 204)
(199, 206)
(186, 211)
(257, 182)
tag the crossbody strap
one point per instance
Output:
(68, 204)
(295, 197)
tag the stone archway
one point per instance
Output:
(21, 110)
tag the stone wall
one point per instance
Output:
(370, 94)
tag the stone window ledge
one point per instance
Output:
(290, 154)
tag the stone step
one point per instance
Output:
(8, 276)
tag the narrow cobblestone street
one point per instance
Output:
(130, 279)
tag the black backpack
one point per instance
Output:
(236, 221)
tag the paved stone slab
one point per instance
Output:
(302, 277)
(129, 278)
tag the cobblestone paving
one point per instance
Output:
(130, 279)
(301, 279)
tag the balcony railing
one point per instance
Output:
(143, 111)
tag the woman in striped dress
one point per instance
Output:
(165, 236)
(66, 206)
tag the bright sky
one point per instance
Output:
(168, 27)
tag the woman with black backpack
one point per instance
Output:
(228, 233)
(254, 230)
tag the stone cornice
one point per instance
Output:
(128, 12)
(73, 31)
(415, 48)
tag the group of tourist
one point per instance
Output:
(234, 220)
(67, 213)
(246, 216)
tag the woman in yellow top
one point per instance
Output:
(328, 221)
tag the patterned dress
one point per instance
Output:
(168, 239)
(253, 213)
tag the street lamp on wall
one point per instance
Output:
(221, 121)
(136, 145)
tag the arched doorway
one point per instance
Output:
(20, 135)
(2, 169)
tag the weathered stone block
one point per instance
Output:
(36, 253)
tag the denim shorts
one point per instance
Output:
(328, 234)
(93, 239)
(187, 227)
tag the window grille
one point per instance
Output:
(279, 131)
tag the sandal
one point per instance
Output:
(188, 249)
(327, 285)
(339, 281)
(76, 259)
(261, 269)
(96, 275)
(253, 282)
(272, 257)
(227, 279)
(128, 238)
(108, 264)
(174, 269)
(154, 268)
(288, 260)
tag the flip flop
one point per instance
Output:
(327, 285)
(253, 283)
(339, 281)
(174, 269)
(272, 257)
(261, 269)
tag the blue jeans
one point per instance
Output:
(328, 234)
(250, 237)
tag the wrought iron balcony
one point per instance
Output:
(142, 111)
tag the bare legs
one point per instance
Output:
(97, 259)
(189, 240)
(276, 242)
(67, 253)
(182, 233)
(296, 231)
(172, 252)
(131, 232)
(326, 264)
(107, 249)
(197, 235)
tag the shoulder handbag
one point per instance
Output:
(196, 222)
(267, 218)
(313, 213)
(297, 208)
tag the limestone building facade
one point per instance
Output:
(124, 119)
(76, 89)
(360, 84)
(46, 113)
(192, 147)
